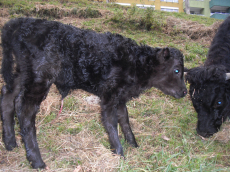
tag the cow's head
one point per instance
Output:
(210, 94)
(170, 76)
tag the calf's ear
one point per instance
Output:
(164, 54)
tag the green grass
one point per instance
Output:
(164, 127)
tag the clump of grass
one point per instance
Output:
(118, 17)
(136, 19)
(191, 29)
(148, 21)
(53, 12)
(42, 12)
(74, 11)
(88, 13)
(132, 11)
(50, 13)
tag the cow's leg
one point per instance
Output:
(123, 120)
(27, 104)
(7, 115)
(110, 121)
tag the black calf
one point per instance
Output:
(108, 65)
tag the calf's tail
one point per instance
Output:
(7, 61)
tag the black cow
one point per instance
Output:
(209, 84)
(108, 65)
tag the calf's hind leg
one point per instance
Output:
(7, 115)
(27, 104)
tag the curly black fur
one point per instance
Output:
(108, 65)
(209, 89)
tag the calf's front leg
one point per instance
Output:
(123, 120)
(110, 121)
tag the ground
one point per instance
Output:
(164, 126)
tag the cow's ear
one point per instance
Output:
(194, 75)
(188, 77)
(186, 69)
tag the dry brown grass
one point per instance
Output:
(83, 147)
(194, 31)
(224, 134)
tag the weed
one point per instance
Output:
(74, 11)
(118, 17)
(147, 21)
(132, 11)
(88, 13)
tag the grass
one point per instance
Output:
(163, 126)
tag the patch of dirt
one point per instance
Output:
(3, 20)
(4, 12)
(195, 31)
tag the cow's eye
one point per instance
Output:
(176, 71)
(218, 104)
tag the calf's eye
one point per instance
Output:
(219, 103)
(176, 71)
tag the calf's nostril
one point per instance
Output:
(185, 92)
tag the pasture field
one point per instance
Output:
(163, 126)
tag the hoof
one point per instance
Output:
(10, 145)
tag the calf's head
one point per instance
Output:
(209, 92)
(170, 73)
